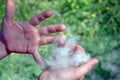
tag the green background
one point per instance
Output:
(96, 22)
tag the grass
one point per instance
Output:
(95, 22)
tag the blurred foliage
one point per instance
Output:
(96, 22)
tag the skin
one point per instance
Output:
(24, 37)
(70, 73)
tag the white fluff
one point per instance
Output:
(62, 57)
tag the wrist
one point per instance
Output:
(3, 50)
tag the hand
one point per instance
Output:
(23, 37)
(70, 73)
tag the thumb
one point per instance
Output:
(10, 9)
(76, 73)
(85, 68)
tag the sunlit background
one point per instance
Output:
(96, 22)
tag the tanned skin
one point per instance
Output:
(24, 37)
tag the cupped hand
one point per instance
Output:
(70, 73)
(24, 37)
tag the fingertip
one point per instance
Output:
(10, 9)
(60, 27)
(61, 40)
(85, 68)
(48, 13)
(63, 27)
(91, 63)
(61, 37)
(37, 58)
(79, 48)
(94, 61)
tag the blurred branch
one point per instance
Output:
(117, 14)
(114, 17)
(116, 20)
(109, 20)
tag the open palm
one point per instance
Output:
(69, 73)
(24, 37)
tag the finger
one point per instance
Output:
(72, 46)
(10, 9)
(49, 40)
(85, 68)
(61, 41)
(51, 29)
(37, 58)
(39, 18)
(76, 73)
(81, 78)
(78, 48)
